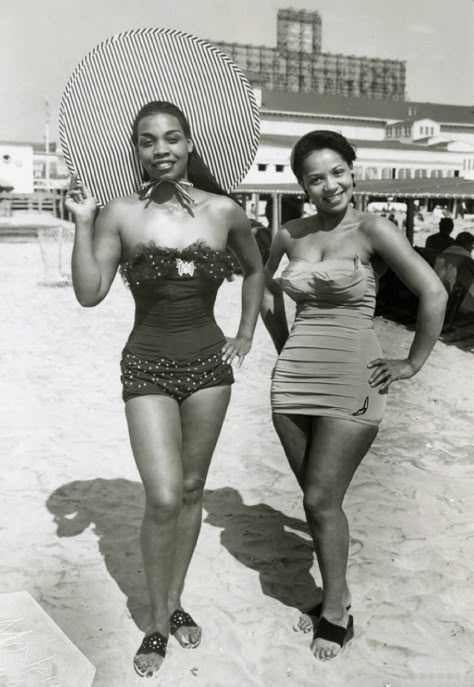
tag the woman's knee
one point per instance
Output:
(321, 504)
(163, 506)
(193, 490)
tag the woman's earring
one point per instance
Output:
(353, 181)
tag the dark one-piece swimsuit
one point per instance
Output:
(175, 347)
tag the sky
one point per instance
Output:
(41, 42)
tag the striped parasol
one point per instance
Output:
(123, 73)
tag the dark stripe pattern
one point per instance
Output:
(126, 71)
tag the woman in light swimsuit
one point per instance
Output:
(330, 381)
(170, 241)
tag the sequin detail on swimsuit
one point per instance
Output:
(170, 378)
(175, 347)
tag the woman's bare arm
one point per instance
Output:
(97, 246)
(418, 276)
(243, 245)
(272, 310)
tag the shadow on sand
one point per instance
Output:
(267, 541)
(113, 509)
(260, 537)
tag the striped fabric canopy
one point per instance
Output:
(128, 70)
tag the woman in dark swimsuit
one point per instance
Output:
(170, 241)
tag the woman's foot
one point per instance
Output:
(308, 620)
(331, 635)
(185, 629)
(152, 650)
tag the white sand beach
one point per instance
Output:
(72, 506)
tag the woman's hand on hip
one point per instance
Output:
(80, 202)
(238, 347)
(388, 371)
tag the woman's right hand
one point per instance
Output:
(80, 201)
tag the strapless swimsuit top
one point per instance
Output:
(186, 280)
(331, 284)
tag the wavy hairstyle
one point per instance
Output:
(317, 140)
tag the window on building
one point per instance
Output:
(386, 173)
(404, 173)
(436, 173)
(262, 167)
(279, 168)
(420, 173)
(432, 130)
(371, 173)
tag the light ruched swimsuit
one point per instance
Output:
(322, 369)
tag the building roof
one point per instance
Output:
(366, 108)
(37, 147)
(387, 144)
(396, 188)
(440, 187)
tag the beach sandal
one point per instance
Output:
(180, 618)
(314, 614)
(335, 633)
(154, 643)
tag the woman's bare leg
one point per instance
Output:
(295, 432)
(337, 448)
(202, 416)
(154, 424)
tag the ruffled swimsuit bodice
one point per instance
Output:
(174, 292)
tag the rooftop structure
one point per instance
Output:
(298, 65)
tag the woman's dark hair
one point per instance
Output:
(199, 173)
(317, 140)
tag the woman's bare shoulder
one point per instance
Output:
(296, 228)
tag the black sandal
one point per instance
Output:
(154, 643)
(315, 612)
(180, 618)
(335, 633)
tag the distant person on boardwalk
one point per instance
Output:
(438, 242)
(169, 240)
(393, 219)
(330, 381)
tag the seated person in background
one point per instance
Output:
(442, 239)
(455, 266)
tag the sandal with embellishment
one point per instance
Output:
(180, 618)
(154, 643)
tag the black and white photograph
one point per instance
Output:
(237, 343)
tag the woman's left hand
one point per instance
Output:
(388, 371)
(238, 346)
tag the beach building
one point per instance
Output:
(299, 65)
(27, 167)
(394, 139)
(16, 167)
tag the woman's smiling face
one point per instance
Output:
(162, 146)
(327, 179)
